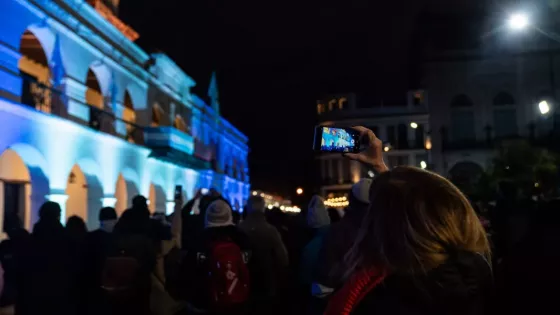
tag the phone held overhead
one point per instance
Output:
(341, 140)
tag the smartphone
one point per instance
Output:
(332, 139)
(178, 192)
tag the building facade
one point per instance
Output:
(478, 101)
(88, 119)
(404, 130)
(472, 102)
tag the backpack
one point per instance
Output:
(120, 276)
(227, 275)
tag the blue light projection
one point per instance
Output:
(51, 146)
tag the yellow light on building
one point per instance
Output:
(428, 144)
(299, 191)
(386, 149)
(254, 193)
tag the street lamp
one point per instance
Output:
(299, 191)
(544, 107)
(518, 21)
(413, 125)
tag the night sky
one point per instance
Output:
(274, 59)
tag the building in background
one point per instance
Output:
(478, 100)
(403, 128)
(88, 119)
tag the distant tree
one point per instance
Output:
(518, 164)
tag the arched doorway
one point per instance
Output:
(157, 199)
(77, 192)
(94, 98)
(84, 193)
(15, 191)
(124, 192)
(129, 115)
(35, 72)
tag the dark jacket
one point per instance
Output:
(49, 273)
(462, 286)
(269, 256)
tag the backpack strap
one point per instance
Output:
(354, 290)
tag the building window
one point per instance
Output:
(342, 103)
(419, 137)
(332, 105)
(391, 135)
(346, 171)
(320, 108)
(462, 119)
(402, 137)
(418, 98)
(505, 116)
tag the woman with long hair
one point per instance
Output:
(420, 249)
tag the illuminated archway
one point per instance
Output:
(157, 199)
(76, 190)
(126, 189)
(94, 97)
(36, 74)
(15, 190)
(84, 192)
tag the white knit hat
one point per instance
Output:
(360, 190)
(317, 214)
(218, 214)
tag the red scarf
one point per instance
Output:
(354, 290)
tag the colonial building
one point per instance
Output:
(403, 128)
(480, 99)
(88, 119)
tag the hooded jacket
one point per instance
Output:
(461, 286)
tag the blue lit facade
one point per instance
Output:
(105, 122)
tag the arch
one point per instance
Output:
(76, 190)
(465, 175)
(503, 99)
(461, 100)
(22, 173)
(129, 115)
(35, 70)
(104, 77)
(157, 199)
(94, 96)
(95, 193)
(157, 115)
(179, 123)
(126, 189)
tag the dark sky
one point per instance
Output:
(275, 58)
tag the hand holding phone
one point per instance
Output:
(342, 140)
(372, 153)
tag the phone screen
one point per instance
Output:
(338, 139)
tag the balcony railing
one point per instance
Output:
(167, 142)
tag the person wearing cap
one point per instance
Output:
(218, 226)
(270, 257)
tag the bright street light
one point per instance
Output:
(386, 148)
(518, 21)
(299, 191)
(423, 165)
(544, 107)
(413, 125)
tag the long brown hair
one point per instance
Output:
(415, 220)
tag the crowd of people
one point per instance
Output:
(409, 243)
